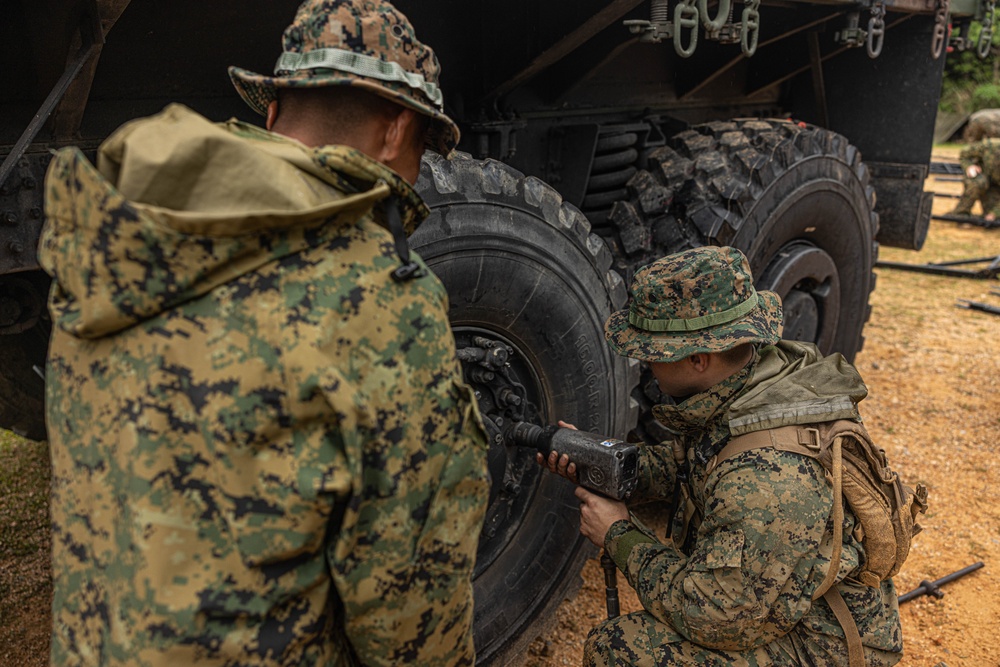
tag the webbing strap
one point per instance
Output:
(360, 64)
(800, 440)
(855, 649)
(838, 523)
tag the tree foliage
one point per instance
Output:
(971, 83)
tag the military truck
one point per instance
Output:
(598, 135)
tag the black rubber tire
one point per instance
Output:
(520, 264)
(22, 358)
(795, 199)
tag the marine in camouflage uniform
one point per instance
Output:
(263, 452)
(983, 186)
(734, 584)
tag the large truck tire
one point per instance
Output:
(22, 389)
(524, 273)
(796, 199)
(24, 341)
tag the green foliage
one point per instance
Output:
(986, 96)
(970, 83)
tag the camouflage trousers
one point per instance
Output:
(639, 639)
(979, 189)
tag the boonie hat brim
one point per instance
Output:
(761, 325)
(258, 91)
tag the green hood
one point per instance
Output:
(179, 205)
(794, 384)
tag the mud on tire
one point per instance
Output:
(521, 267)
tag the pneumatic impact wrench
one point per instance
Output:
(604, 465)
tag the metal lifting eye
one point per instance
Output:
(685, 18)
(720, 17)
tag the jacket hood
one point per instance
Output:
(793, 383)
(179, 205)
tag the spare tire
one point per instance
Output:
(524, 274)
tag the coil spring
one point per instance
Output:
(614, 164)
(659, 12)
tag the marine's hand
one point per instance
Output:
(973, 170)
(597, 513)
(560, 465)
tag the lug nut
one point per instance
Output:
(15, 247)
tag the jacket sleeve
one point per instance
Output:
(756, 560)
(972, 154)
(403, 558)
(657, 473)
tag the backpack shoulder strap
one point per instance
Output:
(798, 439)
(811, 441)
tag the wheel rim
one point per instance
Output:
(513, 473)
(808, 282)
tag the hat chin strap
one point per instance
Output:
(695, 323)
(359, 64)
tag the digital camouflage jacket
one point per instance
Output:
(761, 536)
(262, 450)
(985, 154)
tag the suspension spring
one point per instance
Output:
(614, 164)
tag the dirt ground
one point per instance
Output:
(933, 371)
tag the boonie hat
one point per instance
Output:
(363, 43)
(700, 300)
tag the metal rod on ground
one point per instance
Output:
(610, 584)
(946, 268)
(967, 219)
(978, 305)
(947, 195)
(934, 587)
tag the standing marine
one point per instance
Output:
(759, 567)
(263, 452)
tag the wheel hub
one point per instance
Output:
(807, 280)
(506, 389)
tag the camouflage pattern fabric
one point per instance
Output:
(368, 44)
(263, 453)
(700, 300)
(738, 590)
(985, 187)
(983, 124)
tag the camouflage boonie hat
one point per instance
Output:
(364, 43)
(700, 300)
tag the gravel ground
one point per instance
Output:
(934, 375)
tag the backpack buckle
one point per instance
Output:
(809, 438)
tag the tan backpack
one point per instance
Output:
(885, 508)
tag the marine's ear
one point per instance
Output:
(272, 114)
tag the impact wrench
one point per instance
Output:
(604, 465)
